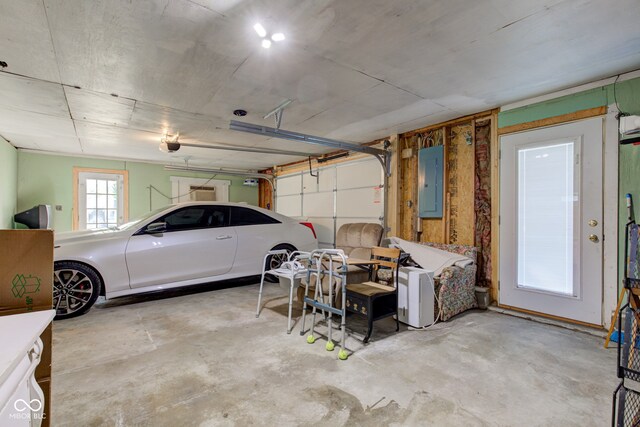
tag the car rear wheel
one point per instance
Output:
(76, 287)
(275, 261)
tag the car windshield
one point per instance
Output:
(142, 218)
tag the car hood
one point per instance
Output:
(87, 236)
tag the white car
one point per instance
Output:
(179, 245)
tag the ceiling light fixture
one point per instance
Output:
(260, 30)
(266, 43)
(169, 143)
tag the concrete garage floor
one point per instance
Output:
(202, 358)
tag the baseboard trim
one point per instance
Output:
(574, 325)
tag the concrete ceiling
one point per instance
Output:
(108, 78)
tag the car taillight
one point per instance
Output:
(310, 225)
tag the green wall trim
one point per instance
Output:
(592, 98)
(555, 107)
(48, 179)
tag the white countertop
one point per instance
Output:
(18, 332)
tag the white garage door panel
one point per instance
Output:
(309, 183)
(359, 203)
(361, 174)
(327, 179)
(318, 204)
(350, 191)
(324, 231)
(289, 185)
(289, 205)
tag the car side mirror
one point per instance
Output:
(156, 227)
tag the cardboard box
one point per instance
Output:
(26, 271)
(26, 284)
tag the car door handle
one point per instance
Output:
(225, 237)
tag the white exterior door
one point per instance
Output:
(551, 220)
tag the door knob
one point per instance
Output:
(592, 223)
(594, 238)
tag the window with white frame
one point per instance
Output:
(100, 200)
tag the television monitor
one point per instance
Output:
(37, 217)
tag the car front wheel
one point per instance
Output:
(76, 287)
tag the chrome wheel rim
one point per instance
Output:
(72, 290)
(277, 260)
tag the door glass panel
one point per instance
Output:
(547, 203)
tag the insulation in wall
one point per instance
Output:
(483, 201)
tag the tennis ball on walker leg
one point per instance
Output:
(342, 354)
(311, 339)
(330, 346)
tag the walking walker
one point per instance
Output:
(332, 264)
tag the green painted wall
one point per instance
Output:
(8, 183)
(48, 179)
(627, 94)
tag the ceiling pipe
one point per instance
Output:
(244, 149)
(248, 174)
(172, 145)
(277, 112)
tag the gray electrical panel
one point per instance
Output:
(430, 181)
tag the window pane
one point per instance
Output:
(102, 225)
(91, 201)
(91, 226)
(102, 201)
(102, 186)
(112, 202)
(102, 215)
(113, 215)
(91, 185)
(112, 187)
(91, 215)
(545, 218)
